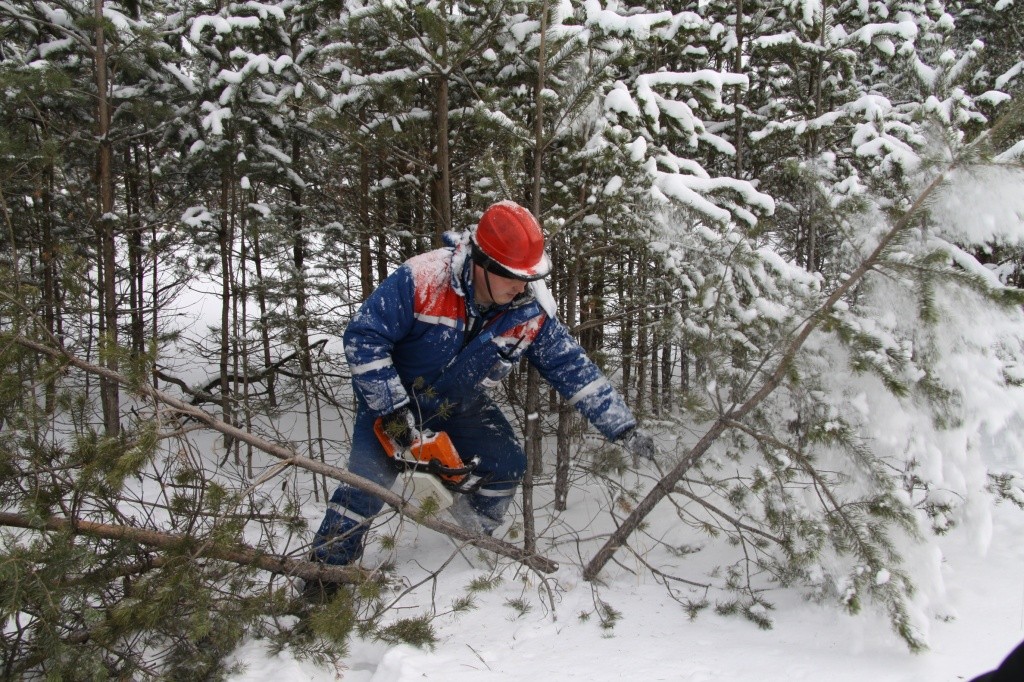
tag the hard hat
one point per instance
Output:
(509, 243)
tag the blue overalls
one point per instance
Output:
(419, 340)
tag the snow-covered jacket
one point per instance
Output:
(409, 339)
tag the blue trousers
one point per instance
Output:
(477, 429)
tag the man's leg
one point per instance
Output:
(341, 535)
(486, 433)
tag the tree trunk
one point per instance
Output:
(737, 67)
(533, 454)
(442, 186)
(667, 393)
(109, 392)
(628, 329)
(261, 299)
(365, 255)
(563, 451)
(533, 449)
(48, 260)
(563, 454)
(299, 261)
(237, 553)
(224, 241)
(642, 344)
(136, 263)
(155, 257)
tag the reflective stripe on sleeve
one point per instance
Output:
(370, 366)
(590, 389)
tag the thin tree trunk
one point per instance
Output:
(563, 452)
(532, 436)
(642, 339)
(365, 255)
(667, 392)
(109, 392)
(261, 299)
(442, 188)
(655, 374)
(48, 258)
(136, 265)
(243, 269)
(737, 67)
(155, 256)
(382, 238)
(533, 449)
(628, 328)
(224, 239)
(299, 261)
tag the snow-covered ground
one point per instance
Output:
(979, 620)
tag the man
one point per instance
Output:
(427, 345)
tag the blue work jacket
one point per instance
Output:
(409, 341)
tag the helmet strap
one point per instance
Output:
(487, 281)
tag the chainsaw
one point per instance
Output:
(435, 454)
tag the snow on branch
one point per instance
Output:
(638, 26)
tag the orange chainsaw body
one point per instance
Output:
(427, 447)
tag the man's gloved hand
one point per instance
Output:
(401, 426)
(639, 443)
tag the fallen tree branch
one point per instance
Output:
(238, 553)
(533, 560)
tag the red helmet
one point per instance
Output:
(508, 242)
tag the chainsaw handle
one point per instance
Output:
(435, 467)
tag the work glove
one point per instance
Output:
(639, 443)
(400, 426)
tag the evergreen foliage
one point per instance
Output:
(712, 176)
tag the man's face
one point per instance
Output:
(501, 291)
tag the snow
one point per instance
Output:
(544, 297)
(655, 639)
(983, 204)
(1011, 74)
(215, 117)
(197, 216)
(613, 185)
(184, 80)
(639, 26)
(619, 99)
(876, 33)
(53, 46)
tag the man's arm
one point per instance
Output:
(564, 364)
(384, 319)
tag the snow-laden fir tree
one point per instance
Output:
(812, 491)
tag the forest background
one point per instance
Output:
(789, 230)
